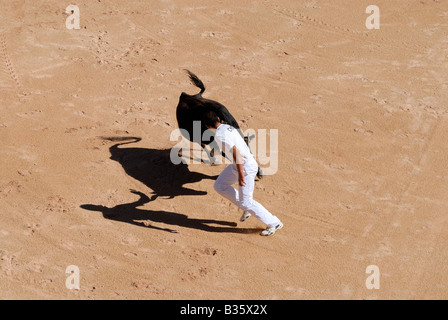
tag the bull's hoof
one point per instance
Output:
(213, 161)
(260, 174)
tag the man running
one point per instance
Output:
(242, 170)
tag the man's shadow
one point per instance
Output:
(155, 169)
(130, 213)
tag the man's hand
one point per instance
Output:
(241, 181)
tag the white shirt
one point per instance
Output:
(227, 137)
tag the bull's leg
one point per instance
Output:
(260, 174)
(210, 154)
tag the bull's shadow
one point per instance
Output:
(155, 169)
(130, 213)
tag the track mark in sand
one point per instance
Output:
(10, 187)
(329, 225)
(7, 262)
(148, 285)
(325, 26)
(55, 204)
(8, 66)
(358, 36)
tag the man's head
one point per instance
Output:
(211, 120)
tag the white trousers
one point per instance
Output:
(243, 197)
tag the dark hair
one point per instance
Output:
(210, 119)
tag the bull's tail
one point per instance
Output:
(196, 81)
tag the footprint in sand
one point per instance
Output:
(10, 187)
(7, 262)
(30, 228)
(131, 240)
(297, 291)
(215, 35)
(36, 265)
(148, 285)
(57, 204)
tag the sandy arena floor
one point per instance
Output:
(362, 155)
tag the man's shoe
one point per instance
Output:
(246, 215)
(270, 230)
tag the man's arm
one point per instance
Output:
(238, 161)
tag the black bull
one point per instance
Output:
(191, 108)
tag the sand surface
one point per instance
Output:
(362, 175)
